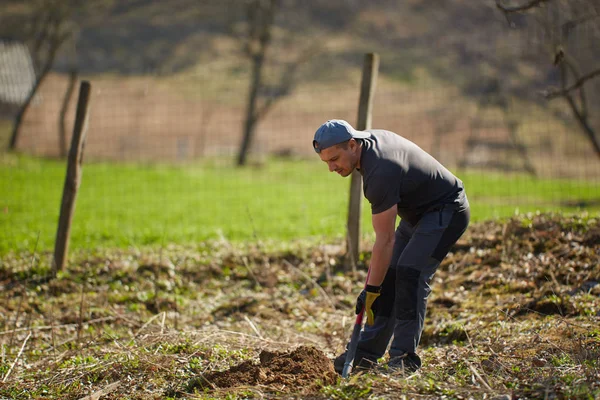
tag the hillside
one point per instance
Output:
(154, 37)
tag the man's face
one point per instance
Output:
(340, 160)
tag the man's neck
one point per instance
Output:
(359, 156)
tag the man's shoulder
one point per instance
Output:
(385, 137)
(381, 132)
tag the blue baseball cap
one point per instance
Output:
(336, 131)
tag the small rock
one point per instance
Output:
(538, 362)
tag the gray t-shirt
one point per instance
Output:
(397, 171)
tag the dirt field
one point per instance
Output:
(514, 313)
(147, 119)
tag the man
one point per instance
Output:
(399, 179)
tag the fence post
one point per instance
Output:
(72, 179)
(365, 105)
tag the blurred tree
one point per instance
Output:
(44, 26)
(569, 30)
(256, 32)
(260, 16)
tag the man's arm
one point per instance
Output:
(384, 224)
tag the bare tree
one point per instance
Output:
(45, 28)
(62, 124)
(260, 21)
(563, 26)
(67, 97)
(264, 92)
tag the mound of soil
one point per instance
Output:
(303, 369)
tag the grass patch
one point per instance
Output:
(121, 205)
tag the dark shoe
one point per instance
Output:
(406, 363)
(360, 362)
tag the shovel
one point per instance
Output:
(354, 339)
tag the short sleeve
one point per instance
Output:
(382, 192)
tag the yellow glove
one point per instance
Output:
(367, 300)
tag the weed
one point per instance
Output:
(347, 391)
(562, 360)
(78, 360)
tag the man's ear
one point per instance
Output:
(353, 144)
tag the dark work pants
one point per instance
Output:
(418, 251)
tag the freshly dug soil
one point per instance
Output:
(304, 369)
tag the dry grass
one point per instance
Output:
(514, 313)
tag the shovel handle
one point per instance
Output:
(352, 346)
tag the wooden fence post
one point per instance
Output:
(365, 105)
(72, 179)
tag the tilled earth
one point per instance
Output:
(514, 312)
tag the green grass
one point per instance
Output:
(133, 205)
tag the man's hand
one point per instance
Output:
(367, 300)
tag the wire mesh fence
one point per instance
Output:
(146, 119)
(142, 120)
